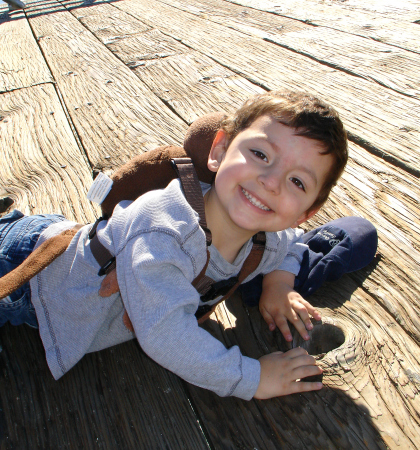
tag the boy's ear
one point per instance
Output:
(307, 215)
(217, 151)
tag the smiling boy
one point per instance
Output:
(275, 162)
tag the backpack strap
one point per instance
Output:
(211, 290)
(191, 185)
(103, 256)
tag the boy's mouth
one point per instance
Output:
(255, 201)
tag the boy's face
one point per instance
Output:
(268, 178)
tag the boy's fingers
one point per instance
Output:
(301, 328)
(268, 319)
(312, 311)
(281, 322)
(304, 316)
(306, 386)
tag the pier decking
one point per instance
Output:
(85, 86)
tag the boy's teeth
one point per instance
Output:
(254, 201)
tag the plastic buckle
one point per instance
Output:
(103, 269)
(219, 289)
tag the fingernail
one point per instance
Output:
(306, 336)
(289, 337)
(319, 385)
(309, 326)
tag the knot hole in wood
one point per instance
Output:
(324, 337)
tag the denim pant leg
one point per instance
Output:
(338, 247)
(18, 236)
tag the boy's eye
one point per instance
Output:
(259, 154)
(298, 183)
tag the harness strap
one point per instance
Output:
(103, 256)
(192, 190)
(228, 287)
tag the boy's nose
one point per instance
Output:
(270, 180)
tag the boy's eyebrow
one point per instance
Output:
(310, 172)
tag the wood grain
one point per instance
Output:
(387, 65)
(365, 106)
(387, 28)
(189, 82)
(194, 84)
(117, 398)
(42, 168)
(105, 21)
(114, 114)
(21, 62)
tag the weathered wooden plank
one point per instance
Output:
(150, 46)
(371, 389)
(194, 85)
(117, 398)
(389, 198)
(172, 71)
(104, 21)
(390, 66)
(332, 418)
(370, 111)
(115, 115)
(408, 11)
(21, 62)
(387, 29)
(42, 168)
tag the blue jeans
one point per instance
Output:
(18, 236)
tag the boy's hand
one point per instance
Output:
(279, 372)
(109, 284)
(280, 303)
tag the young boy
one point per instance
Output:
(275, 162)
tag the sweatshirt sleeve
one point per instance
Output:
(295, 250)
(154, 272)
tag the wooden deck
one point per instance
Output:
(85, 86)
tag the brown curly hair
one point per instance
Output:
(310, 116)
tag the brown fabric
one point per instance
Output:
(197, 282)
(102, 255)
(198, 141)
(135, 178)
(148, 171)
(38, 260)
(203, 318)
